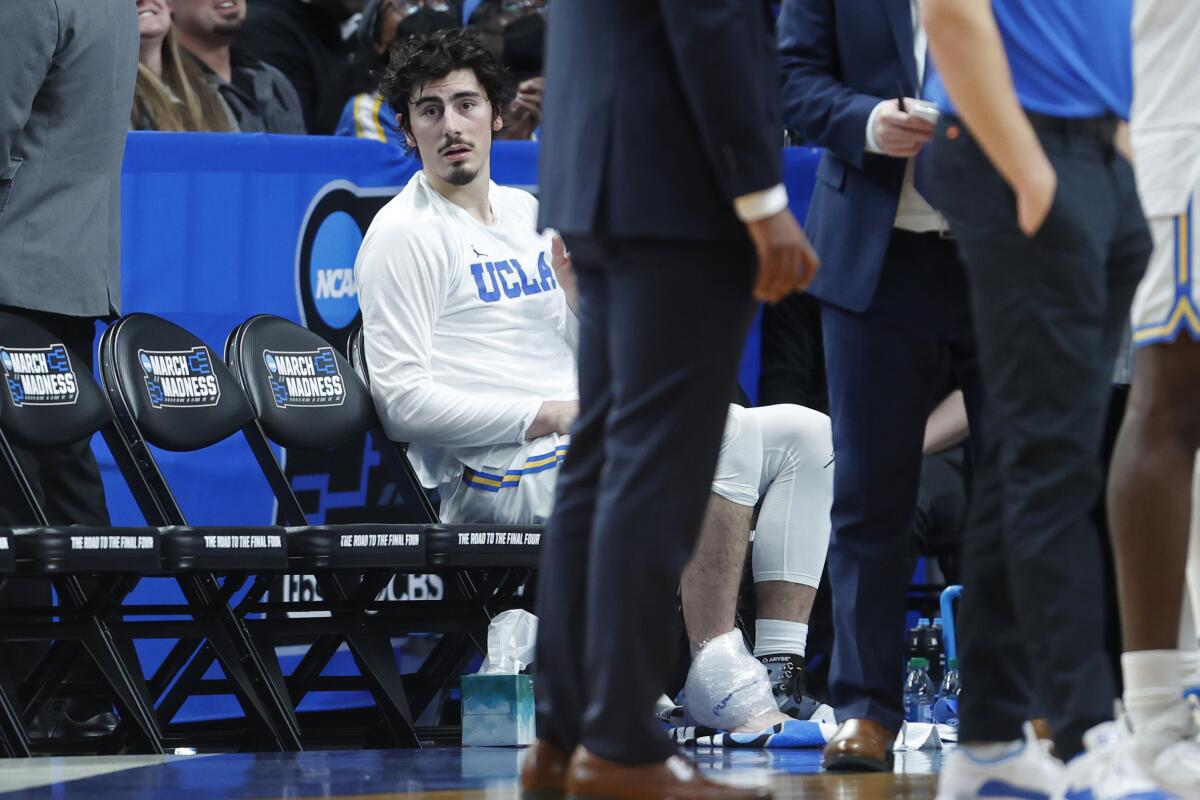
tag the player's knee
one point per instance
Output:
(807, 435)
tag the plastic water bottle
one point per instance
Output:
(919, 692)
(935, 652)
(951, 686)
(945, 711)
(916, 640)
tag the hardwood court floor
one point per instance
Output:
(435, 773)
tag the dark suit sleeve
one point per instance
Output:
(31, 36)
(816, 103)
(724, 61)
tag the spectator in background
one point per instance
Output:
(171, 93)
(260, 96)
(311, 42)
(366, 115)
(515, 30)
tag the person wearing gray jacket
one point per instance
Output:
(67, 71)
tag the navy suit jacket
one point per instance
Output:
(840, 58)
(658, 114)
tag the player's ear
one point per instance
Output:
(408, 137)
(497, 124)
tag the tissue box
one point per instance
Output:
(497, 710)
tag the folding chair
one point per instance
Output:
(306, 397)
(13, 741)
(168, 391)
(491, 564)
(50, 400)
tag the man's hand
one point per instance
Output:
(555, 416)
(564, 272)
(786, 261)
(1035, 191)
(524, 113)
(899, 133)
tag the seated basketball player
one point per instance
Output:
(469, 328)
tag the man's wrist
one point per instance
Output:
(762, 204)
(871, 145)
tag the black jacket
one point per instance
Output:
(658, 114)
(304, 41)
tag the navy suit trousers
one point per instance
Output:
(661, 327)
(884, 366)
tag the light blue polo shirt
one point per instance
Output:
(1069, 58)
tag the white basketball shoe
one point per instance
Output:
(1108, 769)
(1029, 773)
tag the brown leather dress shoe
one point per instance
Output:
(543, 772)
(860, 745)
(590, 777)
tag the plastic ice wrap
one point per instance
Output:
(726, 686)
(511, 639)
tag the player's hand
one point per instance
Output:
(564, 272)
(1035, 192)
(899, 133)
(555, 416)
(786, 261)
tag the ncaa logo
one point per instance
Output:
(332, 275)
(330, 238)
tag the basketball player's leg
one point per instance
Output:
(1150, 505)
(791, 539)
(709, 585)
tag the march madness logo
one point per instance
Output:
(39, 376)
(310, 378)
(180, 378)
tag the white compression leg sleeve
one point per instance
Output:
(792, 535)
(740, 463)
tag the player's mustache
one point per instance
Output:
(455, 143)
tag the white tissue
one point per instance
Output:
(511, 638)
(726, 686)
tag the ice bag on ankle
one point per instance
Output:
(726, 686)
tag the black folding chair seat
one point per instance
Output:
(80, 549)
(474, 546)
(398, 548)
(222, 549)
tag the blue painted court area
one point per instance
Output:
(378, 774)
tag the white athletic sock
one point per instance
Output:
(779, 636)
(1189, 648)
(1189, 668)
(1152, 684)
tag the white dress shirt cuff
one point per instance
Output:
(762, 204)
(872, 146)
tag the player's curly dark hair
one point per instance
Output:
(429, 57)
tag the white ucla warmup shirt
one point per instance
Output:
(466, 331)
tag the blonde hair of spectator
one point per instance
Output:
(181, 100)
